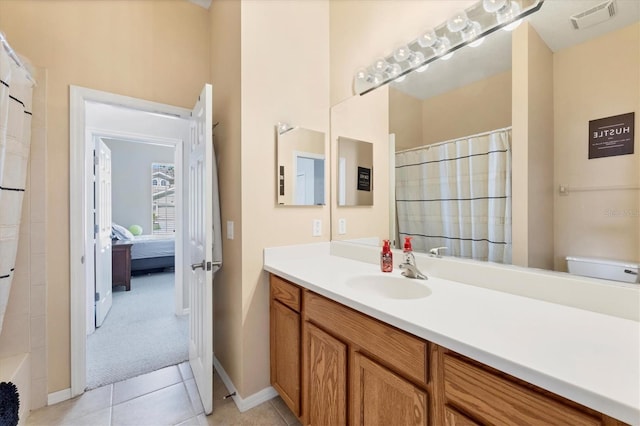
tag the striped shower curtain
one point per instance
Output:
(15, 138)
(457, 194)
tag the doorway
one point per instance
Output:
(309, 174)
(99, 115)
(198, 255)
(138, 326)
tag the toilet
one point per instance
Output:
(607, 269)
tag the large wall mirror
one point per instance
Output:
(301, 166)
(459, 111)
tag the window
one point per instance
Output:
(163, 198)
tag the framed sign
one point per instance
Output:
(611, 136)
(364, 179)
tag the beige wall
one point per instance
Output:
(354, 154)
(364, 118)
(284, 77)
(225, 74)
(405, 119)
(159, 52)
(596, 79)
(477, 107)
(532, 156)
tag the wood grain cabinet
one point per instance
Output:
(381, 397)
(285, 339)
(121, 264)
(326, 369)
(335, 366)
(383, 368)
(475, 394)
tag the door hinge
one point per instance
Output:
(96, 229)
(208, 266)
(97, 297)
(96, 160)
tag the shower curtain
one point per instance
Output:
(457, 194)
(15, 138)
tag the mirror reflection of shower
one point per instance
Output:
(457, 194)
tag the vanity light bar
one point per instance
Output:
(464, 28)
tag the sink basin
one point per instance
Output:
(390, 287)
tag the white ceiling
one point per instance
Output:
(494, 55)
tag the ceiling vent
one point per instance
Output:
(595, 15)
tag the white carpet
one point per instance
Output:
(140, 334)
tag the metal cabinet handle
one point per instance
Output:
(195, 266)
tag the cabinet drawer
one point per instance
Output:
(285, 292)
(492, 399)
(399, 350)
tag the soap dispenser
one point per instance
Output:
(386, 257)
(407, 253)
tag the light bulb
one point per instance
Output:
(507, 14)
(428, 39)
(477, 42)
(362, 74)
(447, 56)
(402, 53)
(380, 66)
(416, 59)
(400, 79)
(441, 47)
(394, 70)
(377, 79)
(471, 31)
(492, 6)
(283, 128)
(422, 68)
(458, 22)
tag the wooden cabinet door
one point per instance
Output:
(453, 418)
(380, 397)
(326, 367)
(285, 354)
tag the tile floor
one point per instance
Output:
(164, 397)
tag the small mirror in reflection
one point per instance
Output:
(355, 172)
(301, 167)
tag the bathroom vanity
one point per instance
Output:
(439, 352)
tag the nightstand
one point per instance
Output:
(121, 264)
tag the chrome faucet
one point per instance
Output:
(411, 271)
(436, 251)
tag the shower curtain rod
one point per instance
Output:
(13, 55)
(453, 140)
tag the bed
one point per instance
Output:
(152, 253)
(149, 253)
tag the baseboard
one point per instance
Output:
(55, 397)
(249, 402)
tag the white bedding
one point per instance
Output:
(146, 246)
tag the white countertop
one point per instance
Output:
(588, 357)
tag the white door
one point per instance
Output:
(200, 236)
(305, 181)
(102, 214)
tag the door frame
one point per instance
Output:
(80, 236)
(304, 154)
